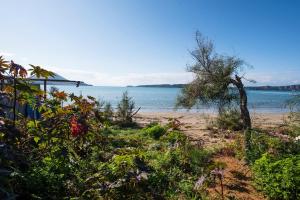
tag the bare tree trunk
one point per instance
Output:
(245, 115)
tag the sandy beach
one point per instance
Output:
(194, 125)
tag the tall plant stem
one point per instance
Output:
(222, 188)
(15, 102)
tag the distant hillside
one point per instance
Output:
(274, 88)
(279, 88)
(57, 77)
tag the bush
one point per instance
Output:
(275, 164)
(279, 179)
(230, 120)
(108, 112)
(293, 122)
(260, 143)
(238, 146)
(175, 136)
(125, 110)
(199, 159)
(155, 131)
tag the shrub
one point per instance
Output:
(239, 147)
(104, 112)
(259, 143)
(175, 136)
(256, 145)
(275, 164)
(230, 119)
(125, 110)
(279, 179)
(293, 122)
(155, 131)
(48, 179)
(108, 112)
(174, 124)
(199, 158)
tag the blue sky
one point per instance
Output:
(130, 42)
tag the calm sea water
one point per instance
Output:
(163, 99)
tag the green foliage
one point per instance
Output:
(199, 158)
(293, 122)
(260, 143)
(175, 136)
(215, 75)
(275, 163)
(155, 131)
(125, 110)
(108, 112)
(279, 179)
(105, 112)
(4, 65)
(72, 152)
(238, 147)
(174, 124)
(229, 119)
(39, 72)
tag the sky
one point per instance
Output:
(133, 42)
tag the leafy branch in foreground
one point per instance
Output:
(40, 72)
(16, 85)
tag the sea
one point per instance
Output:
(155, 99)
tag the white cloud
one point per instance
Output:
(97, 78)
(6, 54)
(276, 78)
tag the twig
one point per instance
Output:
(136, 112)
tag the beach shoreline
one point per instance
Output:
(195, 125)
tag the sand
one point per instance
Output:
(195, 125)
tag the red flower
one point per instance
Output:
(77, 128)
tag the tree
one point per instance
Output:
(215, 75)
(125, 110)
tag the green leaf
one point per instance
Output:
(54, 139)
(36, 139)
(39, 72)
(31, 124)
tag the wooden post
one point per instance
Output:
(45, 89)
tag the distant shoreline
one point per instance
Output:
(267, 88)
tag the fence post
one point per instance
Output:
(45, 89)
